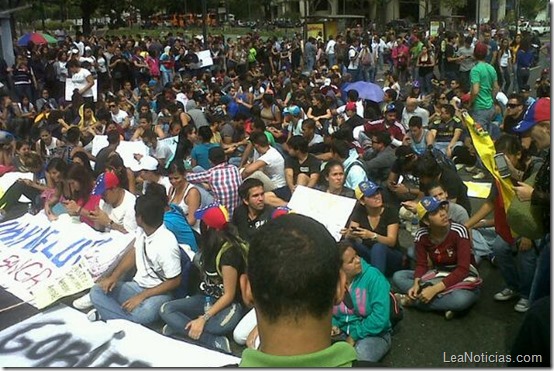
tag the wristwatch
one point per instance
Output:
(206, 316)
(374, 238)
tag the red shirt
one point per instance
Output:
(396, 130)
(454, 250)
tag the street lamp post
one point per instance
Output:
(205, 23)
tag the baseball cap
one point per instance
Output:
(292, 110)
(214, 216)
(480, 50)
(335, 67)
(105, 181)
(147, 163)
(390, 107)
(280, 211)
(466, 97)
(525, 88)
(428, 205)
(366, 189)
(327, 82)
(537, 112)
(350, 106)
(416, 84)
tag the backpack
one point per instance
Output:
(440, 158)
(50, 74)
(366, 57)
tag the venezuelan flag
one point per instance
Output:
(484, 146)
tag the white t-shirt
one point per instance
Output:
(421, 112)
(353, 64)
(330, 49)
(119, 117)
(123, 214)
(161, 152)
(275, 167)
(159, 253)
(80, 81)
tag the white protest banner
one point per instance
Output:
(64, 337)
(35, 251)
(204, 59)
(70, 87)
(8, 179)
(330, 210)
(125, 149)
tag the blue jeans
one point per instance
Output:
(541, 281)
(483, 239)
(517, 269)
(387, 260)
(354, 73)
(178, 313)
(373, 348)
(109, 305)
(456, 300)
(332, 60)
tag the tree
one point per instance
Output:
(531, 8)
(432, 7)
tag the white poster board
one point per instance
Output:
(35, 253)
(64, 337)
(170, 142)
(330, 210)
(70, 86)
(125, 149)
(204, 59)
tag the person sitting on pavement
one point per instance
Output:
(380, 161)
(221, 263)
(354, 169)
(253, 212)
(376, 225)
(451, 284)
(412, 109)
(366, 323)
(388, 124)
(416, 137)
(299, 264)
(333, 180)
(268, 165)
(445, 134)
(155, 255)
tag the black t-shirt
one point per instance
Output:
(246, 226)
(445, 130)
(389, 216)
(450, 53)
(510, 123)
(212, 284)
(310, 165)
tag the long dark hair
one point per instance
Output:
(115, 162)
(78, 173)
(213, 240)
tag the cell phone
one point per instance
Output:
(502, 165)
(356, 229)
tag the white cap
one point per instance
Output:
(327, 82)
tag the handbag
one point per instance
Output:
(524, 218)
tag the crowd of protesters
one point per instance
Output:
(256, 117)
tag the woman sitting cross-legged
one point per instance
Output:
(222, 261)
(452, 284)
(365, 321)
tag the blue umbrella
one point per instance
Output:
(367, 90)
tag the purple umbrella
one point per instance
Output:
(367, 90)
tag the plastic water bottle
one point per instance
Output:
(207, 304)
(30, 209)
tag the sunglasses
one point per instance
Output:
(512, 105)
(112, 105)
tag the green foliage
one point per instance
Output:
(531, 8)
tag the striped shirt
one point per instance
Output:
(224, 180)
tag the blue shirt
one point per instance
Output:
(175, 221)
(200, 154)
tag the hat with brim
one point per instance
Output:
(537, 112)
(105, 181)
(366, 189)
(147, 163)
(215, 216)
(428, 205)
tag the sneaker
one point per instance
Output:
(459, 167)
(222, 343)
(167, 331)
(93, 315)
(479, 175)
(448, 315)
(522, 305)
(403, 299)
(471, 169)
(83, 303)
(505, 295)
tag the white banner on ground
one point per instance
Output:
(64, 337)
(330, 210)
(36, 252)
(125, 149)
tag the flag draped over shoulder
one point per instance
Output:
(484, 146)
